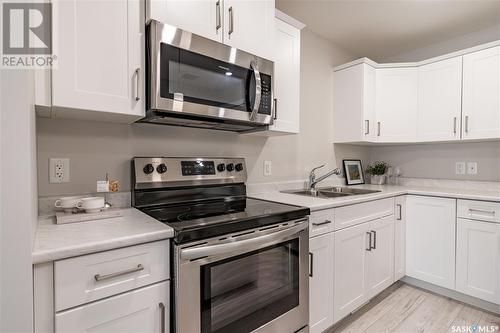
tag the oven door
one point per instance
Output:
(251, 281)
(196, 76)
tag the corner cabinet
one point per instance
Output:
(400, 238)
(396, 104)
(481, 94)
(430, 239)
(100, 60)
(244, 24)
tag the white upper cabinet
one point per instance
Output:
(354, 104)
(481, 94)
(321, 282)
(201, 17)
(396, 104)
(430, 240)
(244, 24)
(440, 100)
(249, 25)
(100, 57)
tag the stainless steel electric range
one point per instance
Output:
(239, 264)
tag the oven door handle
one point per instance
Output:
(258, 90)
(246, 244)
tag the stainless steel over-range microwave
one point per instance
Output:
(197, 82)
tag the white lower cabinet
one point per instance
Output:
(321, 282)
(141, 310)
(430, 239)
(478, 259)
(400, 238)
(364, 264)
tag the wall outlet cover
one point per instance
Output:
(267, 168)
(472, 168)
(58, 170)
(460, 168)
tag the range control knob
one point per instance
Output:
(221, 167)
(238, 167)
(162, 168)
(230, 167)
(148, 168)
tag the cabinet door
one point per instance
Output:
(100, 48)
(400, 238)
(440, 100)
(286, 78)
(249, 26)
(430, 240)
(478, 259)
(481, 94)
(381, 257)
(142, 310)
(351, 249)
(396, 104)
(321, 282)
(354, 104)
(201, 17)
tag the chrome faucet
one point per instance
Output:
(312, 176)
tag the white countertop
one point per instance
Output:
(386, 191)
(58, 241)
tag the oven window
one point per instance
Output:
(242, 293)
(205, 80)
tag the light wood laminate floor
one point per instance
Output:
(404, 308)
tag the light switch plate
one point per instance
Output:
(58, 170)
(460, 168)
(472, 168)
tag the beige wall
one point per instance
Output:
(438, 160)
(96, 148)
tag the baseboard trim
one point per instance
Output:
(484, 305)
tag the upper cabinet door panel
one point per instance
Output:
(201, 17)
(99, 49)
(440, 100)
(286, 78)
(396, 104)
(249, 26)
(481, 94)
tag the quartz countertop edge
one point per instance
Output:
(60, 241)
(387, 191)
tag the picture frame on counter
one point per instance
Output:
(353, 172)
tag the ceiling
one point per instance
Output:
(381, 29)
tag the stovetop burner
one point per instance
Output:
(200, 199)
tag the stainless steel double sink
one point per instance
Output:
(331, 192)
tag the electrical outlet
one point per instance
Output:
(460, 168)
(58, 170)
(472, 168)
(267, 168)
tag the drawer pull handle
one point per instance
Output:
(311, 261)
(370, 247)
(400, 208)
(99, 277)
(472, 210)
(317, 224)
(162, 318)
(374, 240)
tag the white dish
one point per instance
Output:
(67, 203)
(91, 204)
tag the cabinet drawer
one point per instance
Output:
(141, 310)
(478, 210)
(321, 222)
(351, 215)
(91, 277)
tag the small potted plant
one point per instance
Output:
(377, 172)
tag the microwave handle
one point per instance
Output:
(258, 90)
